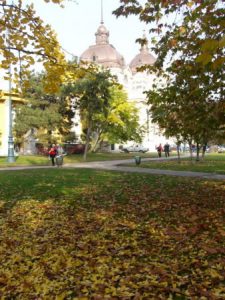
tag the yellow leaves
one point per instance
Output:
(182, 30)
(210, 45)
(214, 274)
(61, 296)
(222, 42)
(32, 40)
(16, 258)
(128, 224)
(190, 4)
(24, 20)
(204, 58)
(94, 244)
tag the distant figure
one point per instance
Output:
(159, 150)
(52, 153)
(167, 150)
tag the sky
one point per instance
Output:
(77, 23)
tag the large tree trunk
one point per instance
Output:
(204, 150)
(95, 146)
(197, 152)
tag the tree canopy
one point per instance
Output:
(26, 40)
(200, 23)
(189, 42)
(49, 115)
(105, 112)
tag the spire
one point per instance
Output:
(144, 48)
(102, 34)
(102, 22)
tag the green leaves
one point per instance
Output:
(47, 115)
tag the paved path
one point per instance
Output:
(116, 165)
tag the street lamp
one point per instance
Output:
(11, 157)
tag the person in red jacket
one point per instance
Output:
(159, 150)
(52, 153)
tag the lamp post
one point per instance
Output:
(11, 157)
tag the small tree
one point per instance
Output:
(93, 99)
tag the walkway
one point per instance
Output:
(116, 165)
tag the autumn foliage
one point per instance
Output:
(101, 235)
(25, 40)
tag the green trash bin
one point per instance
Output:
(137, 160)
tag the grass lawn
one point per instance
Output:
(213, 163)
(31, 160)
(87, 234)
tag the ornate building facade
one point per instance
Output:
(135, 83)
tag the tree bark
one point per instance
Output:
(197, 152)
(95, 147)
(87, 139)
(190, 149)
(178, 152)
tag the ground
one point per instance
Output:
(87, 234)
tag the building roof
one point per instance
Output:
(143, 58)
(102, 52)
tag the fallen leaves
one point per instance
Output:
(148, 243)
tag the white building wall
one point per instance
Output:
(135, 86)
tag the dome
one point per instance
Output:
(102, 52)
(141, 59)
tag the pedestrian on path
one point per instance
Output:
(159, 150)
(52, 153)
(167, 150)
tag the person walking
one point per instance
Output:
(167, 150)
(159, 150)
(52, 153)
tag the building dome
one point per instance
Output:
(102, 52)
(141, 59)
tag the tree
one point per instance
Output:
(92, 93)
(49, 115)
(186, 109)
(120, 124)
(25, 40)
(171, 20)
(106, 115)
(189, 43)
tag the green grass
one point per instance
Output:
(87, 234)
(32, 160)
(213, 163)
